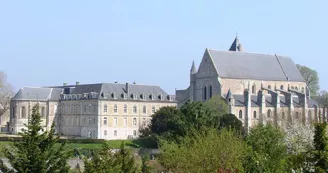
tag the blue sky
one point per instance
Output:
(150, 42)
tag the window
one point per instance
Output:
(115, 108)
(125, 108)
(134, 121)
(85, 108)
(292, 87)
(14, 112)
(94, 108)
(153, 109)
(89, 120)
(269, 113)
(94, 121)
(89, 108)
(296, 88)
(144, 121)
(302, 89)
(105, 132)
(134, 133)
(204, 93)
(144, 109)
(254, 114)
(296, 115)
(240, 114)
(269, 87)
(283, 116)
(105, 108)
(135, 109)
(210, 90)
(125, 122)
(253, 89)
(72, 109)
(115, 132)
(115, 121)
(309, 116)
(66, 111)
(77, 121)
(23, 114)
(134, 96)
(43, 111)
(105, 120)
(281, 87)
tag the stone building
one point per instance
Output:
(257, 87)
(103, 111)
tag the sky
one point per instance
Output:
(44, 43)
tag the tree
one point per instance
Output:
(204, 150)
(107, 160)
(217, 105)
(230, 121)
(6, 90)
(37, 151)
(268, 150)
(145, 168)
(321, 148)
(311, 78)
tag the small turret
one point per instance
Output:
(193, 68)
(236, 46)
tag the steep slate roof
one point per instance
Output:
(29, 93)
(243, 65)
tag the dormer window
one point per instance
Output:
(161, 97)
(143, 96)
(113, 95)
(151, 96)
(134, 96)
(170, 97)
(78, 96)
(124, 96)
(73, 97)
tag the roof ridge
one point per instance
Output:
(242, 52)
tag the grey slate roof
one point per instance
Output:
(243, 65)
(29, 93)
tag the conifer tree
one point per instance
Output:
(321, 148)
(36, 152)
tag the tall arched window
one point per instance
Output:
(144, 109)
(134, 133)
(269, 113)
(23, 114)
(292, 87)
(253, 89)
(296, 88)
(204, 93)
(105, 121)
(134, 121)
(309, 116)
(254, 115)
(269, 86)
(282, 87)
(210, 88)
(115, 108)
(105, 108)
(125, 108)
(115, 132)
(135, 109)
(240, 114)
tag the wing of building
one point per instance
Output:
(103, 111)
(257, 87)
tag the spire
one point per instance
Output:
(229, 95)
(193, 68)
(236, 46)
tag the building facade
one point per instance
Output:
(257, 87)
(102, 111)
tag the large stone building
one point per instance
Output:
(104, 111)
(257, 87)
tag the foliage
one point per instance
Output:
(217, 105)
(311, 78)
(322, 98)
(36, 152)
(145, 168)
(321, 148)
(108, 160)
(204, 150)
(268, 151)
(230, 121)
(6, 91)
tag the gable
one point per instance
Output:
(242, 65)
(207, 67)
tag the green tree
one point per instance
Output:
(37, 151)
(230, 121)
(217, 105)
(268, 151)
(311, 78)
(204, 150)
(321, 148)
(106, 160)
(145, 168)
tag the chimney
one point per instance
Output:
(65, 84)
(127, 88)
(77, 83)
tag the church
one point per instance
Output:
(258, 88)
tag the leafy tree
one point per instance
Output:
(145, 168)
(107, 160)
(230, 121)
(311, 78)
(6, 91)
(268, 150)
(204, 150)
(321, 148)
(217, 105)
(37, 151)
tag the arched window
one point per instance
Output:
(115, 108)
(125, 108)
(282, 87)
(14, 112)
(134, 133)
(269, 86)
(144, 109)
(105, 121)
(115, 132)
(105, 108)
(23, 114)
(296, 88)
(125, 122)
(292, 87)
(210, 90)
(269, 113)
(115, 121)
(240, 114)
(43, 111)
(135, 109)
(204, 93)
(105, 132)
(153, 109)
(302, 89)
(254, 89)
(309, 116)
(296, 115)
(134, 121)
(254, 115)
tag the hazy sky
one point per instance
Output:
(150, 42)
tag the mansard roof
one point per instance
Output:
(103, 91)
(243, 65)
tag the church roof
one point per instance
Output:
(243, 65)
